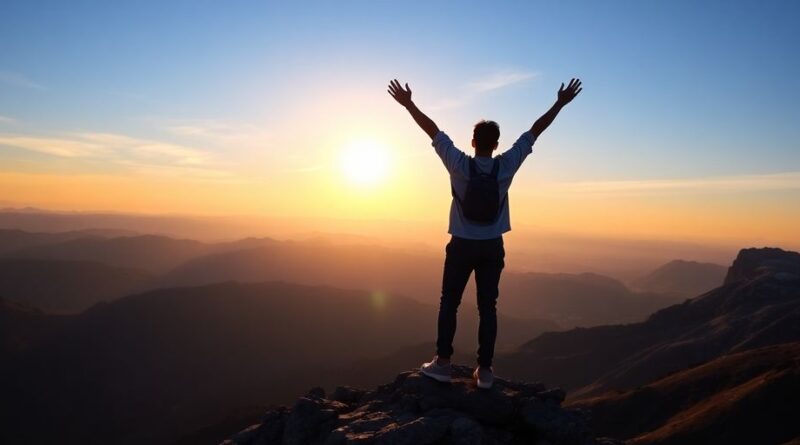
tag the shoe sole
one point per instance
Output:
(437, 377)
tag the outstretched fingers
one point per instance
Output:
(395, 87)
(399, 94)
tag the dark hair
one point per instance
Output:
(486, 135)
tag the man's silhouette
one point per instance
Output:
(478, 218)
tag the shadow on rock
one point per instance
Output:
(417, 410)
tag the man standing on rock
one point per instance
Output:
(478, 218)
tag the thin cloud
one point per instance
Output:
(220, 132)
(172, 171)
(739, 183)
(500, 80)
(18, 80)
(67, 148)
(492, 82)
(139, 155)
(448, 104)
(150, 149)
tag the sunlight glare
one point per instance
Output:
(365, 162)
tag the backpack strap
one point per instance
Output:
(473, 169)
(495, 168)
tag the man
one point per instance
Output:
(478, 218)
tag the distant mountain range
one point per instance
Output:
(719, 369)
(12, 240)
(173, 354)
(171, 360)
(758, 305)
(567, 299)
(63, 286)
(153, 253)
(682, 279)
(577, 299)
(154, 365)
(158, 261)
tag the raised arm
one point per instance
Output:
(403, 97)
(565, 96)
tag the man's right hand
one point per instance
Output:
(403, 97)
(565, 96)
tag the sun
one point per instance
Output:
(365, 162)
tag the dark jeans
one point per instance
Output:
(485, 257)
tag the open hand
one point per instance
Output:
(403, 97)
(565, 96)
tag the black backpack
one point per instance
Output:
(481, 203)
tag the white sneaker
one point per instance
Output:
(440, 373)
(484, 377)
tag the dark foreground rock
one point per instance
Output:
(416, 410)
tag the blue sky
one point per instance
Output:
(674, 90)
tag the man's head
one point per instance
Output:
(484, 137)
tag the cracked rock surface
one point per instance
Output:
(415, 410)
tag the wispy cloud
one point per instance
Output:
(172, 171)
(220, 132)
(494, 81)
(63, 147)
(500, 80)
(448, 104)
(18, 80)
(739, 183)
(158, 151)
(136, 154)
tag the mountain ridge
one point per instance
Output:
(716, 402)
(758, 306)
(682, 278)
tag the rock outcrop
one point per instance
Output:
(416, 410)
(753, 263)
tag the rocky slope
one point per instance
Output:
(737, 398)
(416, 410)
(759, 305)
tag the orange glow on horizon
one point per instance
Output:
(405, 198)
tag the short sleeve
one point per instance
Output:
(512, 159)
(455, 161)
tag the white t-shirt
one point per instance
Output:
(457, 164)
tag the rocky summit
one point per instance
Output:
(416, 410)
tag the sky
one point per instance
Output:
(687, 127)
